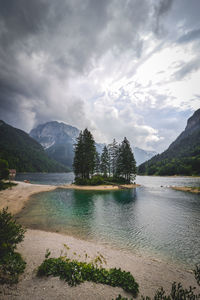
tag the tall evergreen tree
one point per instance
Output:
(97, 163)
(104, 162)
(84, 158)
(113, 149)
(79, 157)
(126, 165)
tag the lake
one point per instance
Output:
(151, 220)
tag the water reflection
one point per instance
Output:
(152, 219)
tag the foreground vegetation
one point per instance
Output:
(178, 292)
(75, 272)
(11, 262)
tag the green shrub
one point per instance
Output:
(75, 272)
(177, 293)
(81, 181)
(6, 185)
(101, 180)
(97, 180)
(11, 233)
(11, 266)
(11, 263)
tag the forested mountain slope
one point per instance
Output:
(23, 153)
(183, 155)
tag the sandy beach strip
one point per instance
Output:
(186, 189)
(16, 197)
(100, 187)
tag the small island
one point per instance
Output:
(116, 167)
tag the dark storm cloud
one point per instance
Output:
(21, 18)
(45, 41)
(48, 47)
(161, 8)
(190, 36)
(61, 35)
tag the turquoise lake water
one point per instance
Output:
(153, 219)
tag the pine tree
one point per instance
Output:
(126, 165)
(84, 156)
(79, 157)
(97, 163)
(104, 162)
(113, 155)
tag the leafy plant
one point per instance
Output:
(6, 185)
(11, 233)
(11, 266)
(11, 263)
(75, 272)
(177, 291)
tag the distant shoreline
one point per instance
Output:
(194, 190)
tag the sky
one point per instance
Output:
(118, 67)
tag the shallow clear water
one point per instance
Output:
(151, 219)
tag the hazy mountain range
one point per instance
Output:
(58, 139)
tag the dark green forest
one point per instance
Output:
(23, 153)
(181, 158)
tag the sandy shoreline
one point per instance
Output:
(149, 273)
(99, 187)
(186, 189)
(16, 197)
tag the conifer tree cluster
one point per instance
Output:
(116, 161)
(85, 155)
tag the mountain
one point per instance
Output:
(142, 155)
(183, 155)
(57, 139)
(23, 153)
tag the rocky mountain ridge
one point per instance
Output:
(58, 138)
